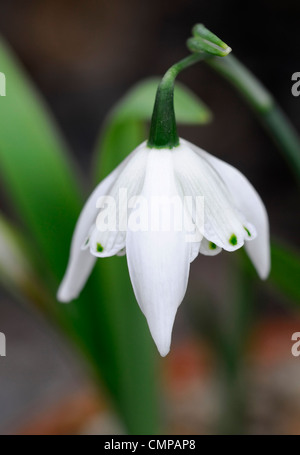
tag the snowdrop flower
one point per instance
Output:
(116, 219)
(158, 259)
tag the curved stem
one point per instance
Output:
(163, 130)
(261, 101)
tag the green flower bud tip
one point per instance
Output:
(206, 41)
(201, 45)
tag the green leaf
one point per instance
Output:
(19, 275)
(117, 140)
(15, 267)
(36, 172)
(285, 270)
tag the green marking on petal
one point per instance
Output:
(233, 240)
(248, 232)
(86, 241)
(212, 246)
(99, 248)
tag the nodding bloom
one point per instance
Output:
(164, 204)
(159, 248)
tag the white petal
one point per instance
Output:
(158, 260)
(250, 203)
(220, 223)
(81, 261)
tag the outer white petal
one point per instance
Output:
(81, 261)
(250, 203)
(158, 260)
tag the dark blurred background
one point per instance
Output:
(83, 56)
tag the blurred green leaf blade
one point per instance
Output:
(285, 270)
(117, 140)
(35, 168)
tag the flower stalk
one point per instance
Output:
(261, 101)
(163, 130)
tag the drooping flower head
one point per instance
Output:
(164, 204)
